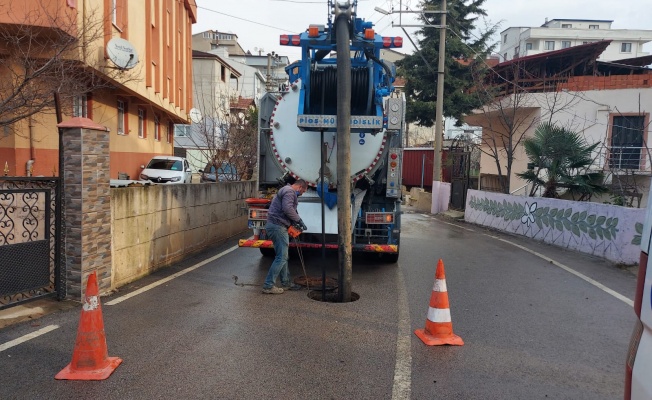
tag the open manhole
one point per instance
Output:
(330, 297)
(315, 283)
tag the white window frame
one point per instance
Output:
(181, 130)
(567, 26)
(625, 47)
(121, 117)
(594, 26)
(505, 38)
(564, 43)
(80, 106)
(141, 123)
(528, 46)
(114, 12)
(157, 128)
(547, 46)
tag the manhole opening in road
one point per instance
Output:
(330, 297)
(315, 283)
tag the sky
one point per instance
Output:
(259, 23)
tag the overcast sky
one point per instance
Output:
(258, 23)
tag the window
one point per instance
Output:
(565, 44)
(80, 106)
(118, 16)
(157, 128)
(208, 35)
(528, 46)
(181, 130)
(594, 26)
(516, 51)
(626, 142)
(169, 131)
(226, 37)
(625, 47)
(549, 45)
(566, 25)
(505, 57)
(505, 38)
(141, 123)
(122, 110)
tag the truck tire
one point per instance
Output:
(267, 252)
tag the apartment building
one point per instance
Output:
(559, 34)
(212, 39)
(138, 98)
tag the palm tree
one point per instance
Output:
(560, 159)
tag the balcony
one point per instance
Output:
(627, 159)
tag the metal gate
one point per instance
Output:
(30, 240)
(461, 166)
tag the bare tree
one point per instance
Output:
(48, 48)
(227, 134)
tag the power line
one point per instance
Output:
(243, 19)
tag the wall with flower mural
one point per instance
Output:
(604, 230)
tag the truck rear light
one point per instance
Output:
(642, 268)
(379, 218)
(258, 214)
(631, 357)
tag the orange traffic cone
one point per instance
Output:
(90, 360)
(439, 328)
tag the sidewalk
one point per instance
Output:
(33, 310)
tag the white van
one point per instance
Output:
(638, 379)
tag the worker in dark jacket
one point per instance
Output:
(282, 213)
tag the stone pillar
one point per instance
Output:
(87, 204)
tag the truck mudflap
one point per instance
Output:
(370, 248)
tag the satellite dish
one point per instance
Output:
(195, 115)
(122, 53)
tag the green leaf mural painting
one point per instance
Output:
(587, 227)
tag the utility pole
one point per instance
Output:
(342, 16)
(439, 108)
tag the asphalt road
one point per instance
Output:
(531, 328)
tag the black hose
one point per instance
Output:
(327, 78)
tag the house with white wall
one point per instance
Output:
(559, 34)
(605, 102)
(251, 84)
(215, 88)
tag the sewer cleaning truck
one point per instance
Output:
(298, 140)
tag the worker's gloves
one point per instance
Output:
(301, 225)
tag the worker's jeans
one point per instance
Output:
(279, 236)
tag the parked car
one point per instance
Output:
(638, 379)
(213, 173)
(167, 169)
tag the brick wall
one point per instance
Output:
(584, 83)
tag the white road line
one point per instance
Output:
(403, 368)
(459, 226)
(572, 271)
(27, 337)
(169, 278)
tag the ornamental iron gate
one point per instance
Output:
(30, 240)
